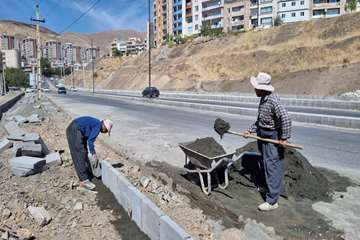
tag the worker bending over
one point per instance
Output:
(81, 135)
(272, 122)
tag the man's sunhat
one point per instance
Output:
(262, 82)
(108, 124)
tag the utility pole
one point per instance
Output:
(3, 89)
(73, 80)
(38, 21)
(92, 65)
(149, 35)
(83, 73)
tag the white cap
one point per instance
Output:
(262, 82)
(108, 124)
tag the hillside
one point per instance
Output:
(317, 57)
(101, 39)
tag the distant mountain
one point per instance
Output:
(100, 39)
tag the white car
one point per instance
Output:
(73, 89)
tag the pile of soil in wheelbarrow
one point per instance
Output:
(207, 146)
(301, 179)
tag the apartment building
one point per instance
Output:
(236, 15)
(197, 16)
(294, 10)
(76, 55)
(28, 51)
(163, 20)
(53, 51)
(7, 42)
(263, 13)
(11, 58)
(91, 53)
(213, 13)
(327, 8)
(67, 54)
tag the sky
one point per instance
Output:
(58, 14)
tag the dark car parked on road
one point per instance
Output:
(61, 90)
(151, 92)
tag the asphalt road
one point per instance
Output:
(295, 109)
(151, 132)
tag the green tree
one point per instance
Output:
(351, 5)
(116, 53)
(16, 77)
(207, 30)
(278, 21)
(46, 67)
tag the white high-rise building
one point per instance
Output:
(11, 58)
(294, 10)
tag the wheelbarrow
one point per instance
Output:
(199, 163)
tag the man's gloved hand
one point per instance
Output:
(95, 160)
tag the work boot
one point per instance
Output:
(87, 185)
(267, 207)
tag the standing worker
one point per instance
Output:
(272, 122)
(81, 135)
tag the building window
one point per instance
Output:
(196, 27)
(266, 10)
(266, 21)
(283, 4)
(293, 14)
(333, 11)
(196, 8)
(302, 2)
(302, 14)
(283, 15)
(293, 4)
(196, 17)
(237, 9)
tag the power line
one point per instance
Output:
(82, 15)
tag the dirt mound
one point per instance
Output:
(207, 146)
(301, 179)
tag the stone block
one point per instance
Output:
(28, 137)
(171, 230)
(134, 207)
(34, 118)
(45, 149)
(121, 186)
(13, 129)
(19, 119)
(27, 162)
(53, 159)
(105, 168)
(31, 149)
(5, 144)
(150, 219)
(40, 215)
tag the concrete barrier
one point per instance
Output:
(288, 100)
(9, 103)
(147, 216)
(336, 121)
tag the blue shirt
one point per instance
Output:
(90, 128)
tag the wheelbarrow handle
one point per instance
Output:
(290, 145)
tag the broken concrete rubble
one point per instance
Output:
(40, 215)
(5, 144)
(53, 159)
(30, 149)
(33, 118)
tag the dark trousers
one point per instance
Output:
(78, 150)
(271, 165)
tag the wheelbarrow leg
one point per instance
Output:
(222, 186)
(208, 190)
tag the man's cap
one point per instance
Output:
(108, 124)
(262, 82)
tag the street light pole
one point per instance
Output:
(92, 65)
(149, 43)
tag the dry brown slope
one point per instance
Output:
(317, 57)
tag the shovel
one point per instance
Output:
(222, 127)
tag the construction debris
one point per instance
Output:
(15, 233)
(25, 166)
(53, 159)
(40, 215)
(33, 118)
(5, 144)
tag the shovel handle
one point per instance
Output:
(267, 140)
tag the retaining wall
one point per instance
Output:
(9, 103)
